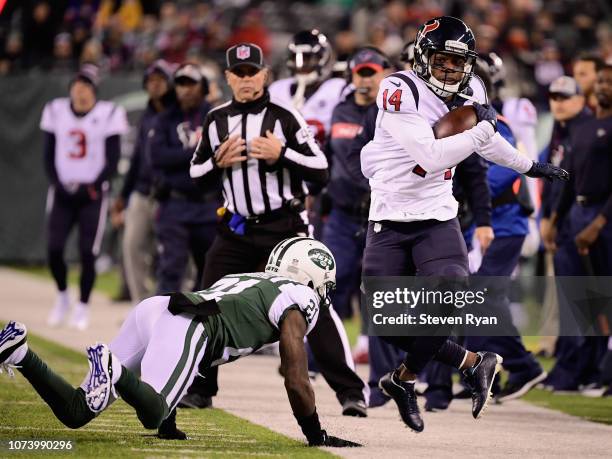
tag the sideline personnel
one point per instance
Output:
(266, 152)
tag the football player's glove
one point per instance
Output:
(329, 440)
(485, 112)
(547, 171)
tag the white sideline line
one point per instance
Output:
(201, 451)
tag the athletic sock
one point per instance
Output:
(150, 406)
(67, 403)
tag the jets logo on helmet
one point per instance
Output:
(321, 258)
(445, 35)
(306, 261)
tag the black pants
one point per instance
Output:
(89, 214)
(231, 254)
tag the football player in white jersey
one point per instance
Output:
(82, 148)
(413, 226)
(309, 90)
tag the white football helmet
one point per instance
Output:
(306, 261)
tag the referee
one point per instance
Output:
(266, 151)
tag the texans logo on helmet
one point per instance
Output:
(431, 27)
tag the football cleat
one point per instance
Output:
(99, 387)
(195, 400)
(514, 390)
(402, 392)
(480, 379)
(354, 407)
(12, 338)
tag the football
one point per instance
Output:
(455, 122)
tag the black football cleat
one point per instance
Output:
(402, 392)
(194, 400)
(168, 430)
(354, 407)
(481, 378)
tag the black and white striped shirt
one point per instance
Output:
(253, 187)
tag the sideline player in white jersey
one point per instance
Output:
(308, 89)
(81, 150)
(413, 226)
(166, 340)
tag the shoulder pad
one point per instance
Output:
(398, 94)
(479, 89)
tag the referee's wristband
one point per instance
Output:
(311, 427)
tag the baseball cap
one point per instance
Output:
(565, 86)
(188, 71)
(90, 73)
(244, 53)
(368, 57)
(161, 67)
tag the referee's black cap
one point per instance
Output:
(244, 54)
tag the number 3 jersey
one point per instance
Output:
(409, 171)
(80, 153)
(247, 312)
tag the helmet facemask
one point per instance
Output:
(442, 87)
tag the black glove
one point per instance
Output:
(328, 440)
(485, 112)
(547, 171)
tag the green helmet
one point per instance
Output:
(306, 261)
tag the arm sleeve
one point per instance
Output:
(132, 173)
(472, 176)
(47, 120)
(415, 135)
(567, 196)
(113, 151)
(301, 152)
(353, 163)
(163, 154)
(499, 151)
(117, 123)
(49, 157)
(202, 161)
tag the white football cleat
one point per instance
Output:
(99, 387)
(13, 346)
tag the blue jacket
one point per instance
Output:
(171, 146)
(138, 177)
(347, 122)
(171, 152)
(506, 219)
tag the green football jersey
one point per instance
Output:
(252, 306)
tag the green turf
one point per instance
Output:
(118, 433)
(593, 409)
(107, 283)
